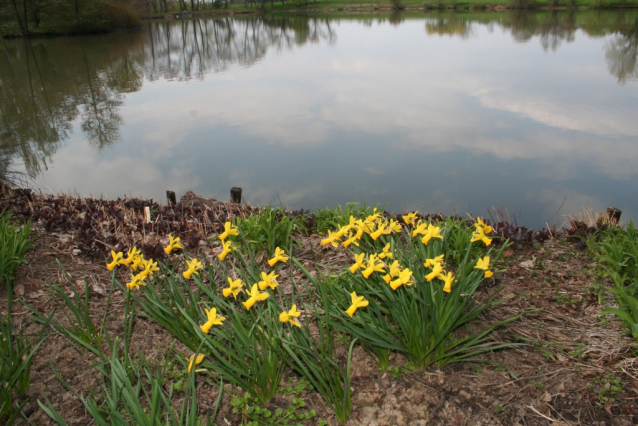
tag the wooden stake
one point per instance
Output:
(235, 195)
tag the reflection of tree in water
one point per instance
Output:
(448, 24)
(45, 85)
(188, 49)
(621, 53)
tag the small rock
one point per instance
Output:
(547, 397)
(76, 252)
(96, 288)
(202, 243)
(465, 395)
(19, 289)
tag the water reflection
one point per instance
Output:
(91, 88)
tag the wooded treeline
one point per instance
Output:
(27, 17)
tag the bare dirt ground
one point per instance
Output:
(575, 369)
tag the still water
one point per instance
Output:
(537, 112)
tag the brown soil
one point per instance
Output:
(575, 369)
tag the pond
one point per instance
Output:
(533, 113)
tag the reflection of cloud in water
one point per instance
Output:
(115, 177)
(560, 202)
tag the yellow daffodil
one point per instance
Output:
(410, 218)
(194, 265)
(149, 268)
(395, 271)
(235, 287)
(279, 256)
(227, 248)
(291, 316)
(352, 239)
(437, 269)
(268, 280)
(432, 232)
(404, 279)
(136, 282)
(386, 252)
(117, 260)
(394, 226)
(479, 235)
(358, 262)
(357, 302)
(376, 234)
(229, 229)
(480, 224)
(374, 265)
(331, 239)
(173, 244)
(373, 217)
(212, 319)
(484, 265)
(131, 254)
(255, 296)
(430, 262)
(421, 229)
(194, 361)
(447, 279)
(137, 262)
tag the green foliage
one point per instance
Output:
(422, 321)
(268, 229)
(616, 250)
(247, 352)
(332, 218)
(16, 354)
(135, 393)
(15, 242)
(293, 414)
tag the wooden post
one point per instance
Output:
(235, 195)
(612, 215)
(170, 198)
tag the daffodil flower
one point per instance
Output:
(235, 287)
(479, 235)
(268, 280)
(291, 316)
(373, 217)
(357, 302)
(194, 361)
(410, 218)
(386, 252)
(432, 232)
(394, 226)
(150, 267)
(358, 262)
(437, 269)
(229, 229)
(117, 260)
(374, 265)
(131, 254)
(484, 265)
(430, 262)
(227, 248)
(395, 271)
(280, 256)
(137, 262)
(173, 244)
(447, 279)
(421, 229)
(352, 239)
(480, 224)
(255, 296)
(194, 265)
(331, 239)
(404, 279)
(376, 234)
(136, 282)
(212, 319)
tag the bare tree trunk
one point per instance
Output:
(23, 30)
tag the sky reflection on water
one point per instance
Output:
(405, 115)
